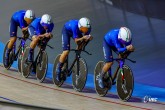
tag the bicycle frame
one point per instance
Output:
(21, 45)
(77, 57)
(120, 67)
(42, 48)
(40, 58)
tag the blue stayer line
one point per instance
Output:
(140, 90)
(8, 99)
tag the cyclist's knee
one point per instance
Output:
(34, 42)
(64, 56)
(12, 41)
(66, 52)
(109, 64)
(35, 38)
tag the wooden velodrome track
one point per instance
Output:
(16, 89)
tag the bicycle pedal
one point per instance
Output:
(63, 76)
(106, 84)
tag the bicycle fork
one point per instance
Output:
(22, 46)
(20, 49)
(39, 59)
(78, 71)
(123, 78)
(69, 71)
(123, 81)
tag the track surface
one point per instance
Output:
(17, 89)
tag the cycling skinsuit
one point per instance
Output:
(17, 20)
(70, 29)
(111, 42)
(35, 28)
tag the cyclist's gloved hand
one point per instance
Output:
(130, 48)
(87, 38)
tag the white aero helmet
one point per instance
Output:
(124, 35)
(84, 22)
(46, 20)
(29, 14)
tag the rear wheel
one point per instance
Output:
(125, 86)
(108, 83)
(11, 57)
(26, 66)
(63, 72)
(42, 65)
(79, 77)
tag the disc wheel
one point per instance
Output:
(79, 77)
(125, 86)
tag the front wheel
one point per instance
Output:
(26, 66)
(125, 83)
(41, 66)
(97, 72)
(79, 75)
(20, 57)
(63, 72)
(11, 57)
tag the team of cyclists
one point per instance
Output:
(117, 40)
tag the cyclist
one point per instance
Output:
(22, 19)
(79, 30)
(118, 40)
(40, 28)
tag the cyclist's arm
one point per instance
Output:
(123, 49)
(126, 53)
(22, 24)
(85, 38)
(82, 45)
(25, 29)
(85, 44)
(25, 32)
(48, 33)
(119, 48)
(79, 40)
(41, 35)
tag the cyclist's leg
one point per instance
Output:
(13, 33)
(117, 52)
(13, 38)
(66, 48)
(109, 61)
(107, 50)
(46, 40)
(33, 43)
